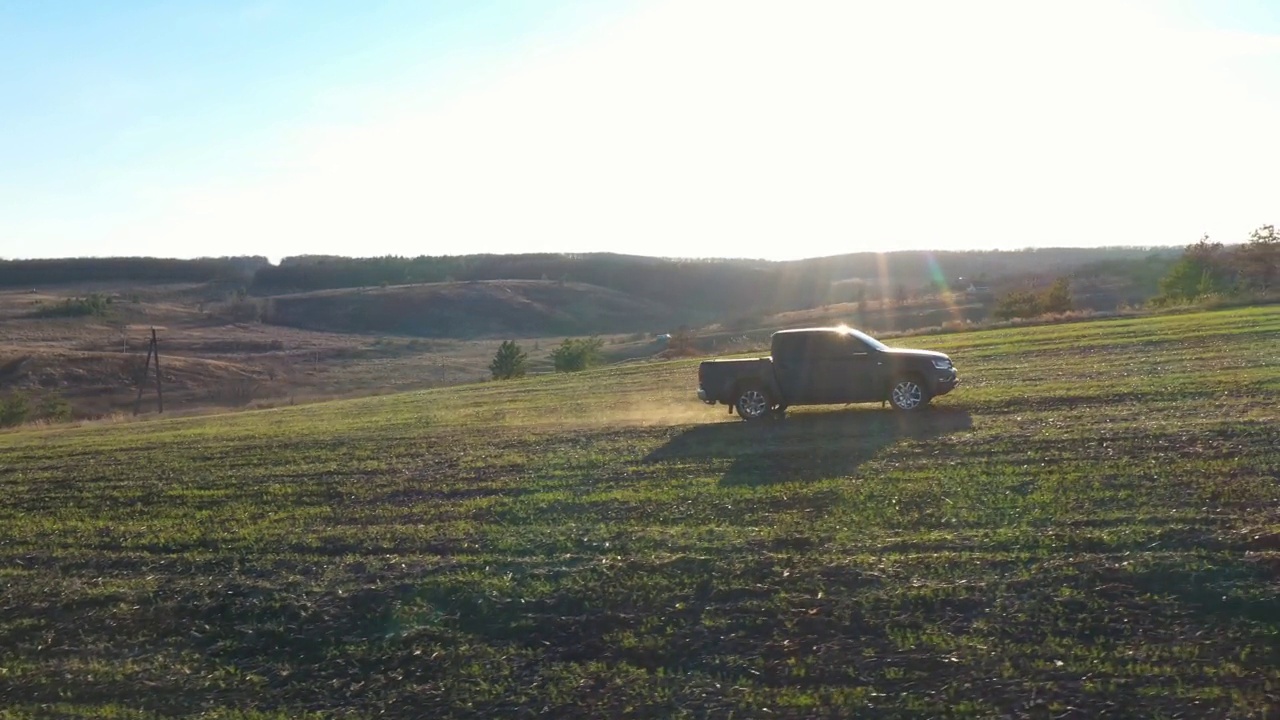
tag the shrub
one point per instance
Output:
(92, 305)
(508, 362)
(1025, 304)
(1259, 260)
(577, 354)
(14, 409)
(54, 408)
(1019, 304)
(1057, 299)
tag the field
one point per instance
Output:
(211, 361)
(1089, 526)
(343, 343)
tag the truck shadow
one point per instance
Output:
(805, 446)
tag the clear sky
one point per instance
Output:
(659, 127)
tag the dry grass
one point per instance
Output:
(209, 363)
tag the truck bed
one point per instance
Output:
(718, 378)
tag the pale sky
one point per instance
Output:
(674, 128)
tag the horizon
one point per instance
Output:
(276, 261)
(683, 130)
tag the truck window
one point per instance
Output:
(810, 346)
(854, 345)
(832, 345)
(842, 346)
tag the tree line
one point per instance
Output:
(705, 290)
(711, 289)
(24, 273)
(1209, 268)
(1204, 269)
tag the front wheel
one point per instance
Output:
(908, 394)
(753, 403)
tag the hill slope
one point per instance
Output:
(1088, 523)
(704, 291)
(510, 308)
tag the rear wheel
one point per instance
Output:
(908, 394)
(753, 403)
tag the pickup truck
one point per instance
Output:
(820, 366)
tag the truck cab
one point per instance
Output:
(819, 366)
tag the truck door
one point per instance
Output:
(864, 378)
(810, 368)
(850, 371)
(822, 367)
(791, 368)
(831, 365)
(825, 368)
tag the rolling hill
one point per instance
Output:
(494, 308)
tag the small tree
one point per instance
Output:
(508, 362)
(1259, 261)
(1203, 269)
(55, 408)
(1057, 299)
(1186, 280)
(14, 409)
(577, 354)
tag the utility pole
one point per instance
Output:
(153, 348)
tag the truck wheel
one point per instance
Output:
(908, 393)
(753, 403)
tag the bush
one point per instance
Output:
(54, 408)
(1259, 261)
(1057, 299)
(1020, 304)
(15, 409)
(92, 305)
(508, 362)
(1025, 304)
(577, 354)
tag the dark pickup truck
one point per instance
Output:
(821, 366)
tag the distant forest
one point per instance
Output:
(715, 287)
(701, 289)
(65, 271)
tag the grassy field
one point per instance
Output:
(1089, 526)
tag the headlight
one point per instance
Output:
(942, 364)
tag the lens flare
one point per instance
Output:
(944, 290)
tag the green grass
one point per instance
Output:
(1090, 523)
